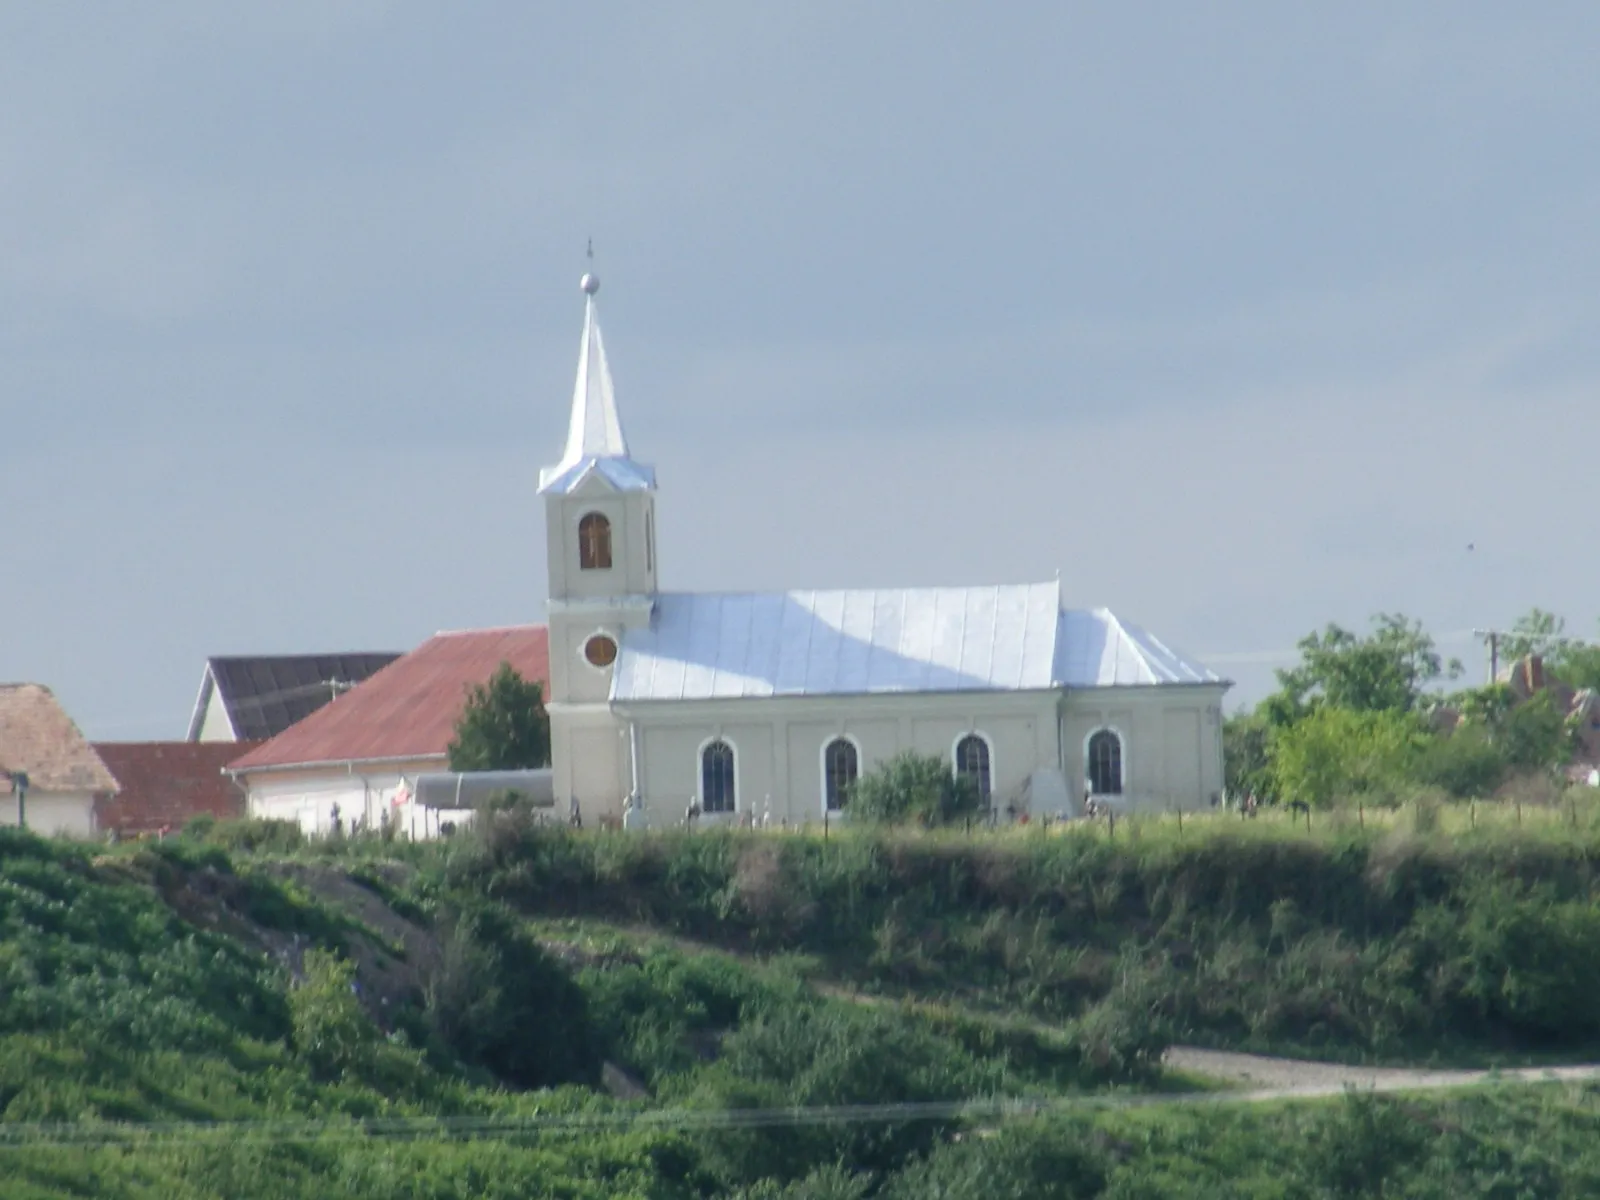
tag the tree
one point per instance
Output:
(332, 1033)
(503, 726)
(1335, 753)
(1535, 735)
(1577, 665)
(1530, 735)
(1386, 671)
(1247, 755)
(1536, 632)
(913, 787)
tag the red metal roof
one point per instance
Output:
(163, 784)
(408, 709)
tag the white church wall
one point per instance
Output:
(1171, 743)
(779, 758)
(590, 760)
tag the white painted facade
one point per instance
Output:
(776, 678)
(362, 792)
(53, 814)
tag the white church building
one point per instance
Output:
(766, 706)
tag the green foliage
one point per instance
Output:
(913, 788)
(1534, 735)
(501, 1003)
(1388, 670)
(1536, 632)
(1021, 1161)
(331, 1032)
(503, 726)
(1337, 753)
(115, 1004)
(1246, 755)
(1578, 665)
(1466, 763)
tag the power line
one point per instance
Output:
(26, 1135)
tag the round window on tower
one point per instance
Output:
(600, 650)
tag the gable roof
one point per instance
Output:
(264, 694)
(886, 640)
(38, 738)
(167, 783)
(408, 710)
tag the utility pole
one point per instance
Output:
(1491, 640)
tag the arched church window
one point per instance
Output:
(1104, 753)
(718, 786)
(840, 767)
(972, 761)
(594, 542)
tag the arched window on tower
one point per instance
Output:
(718, 785)
(840, 767)
(972, 761)
(594, 542)
(1104, 754)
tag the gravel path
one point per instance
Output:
(1267, 1078)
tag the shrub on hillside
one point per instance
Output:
(914, 789)
(503, 1004)
(824, 1056)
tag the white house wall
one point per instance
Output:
(307, 798)
(214, 724)
(53, 814)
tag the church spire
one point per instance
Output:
(594, 431)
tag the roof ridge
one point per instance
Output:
(924, 587)
(491, 629)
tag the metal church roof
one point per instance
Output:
(1096, 649)
(893, 640)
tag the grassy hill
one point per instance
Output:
(528, 1012)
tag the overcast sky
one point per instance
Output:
(1243, 319)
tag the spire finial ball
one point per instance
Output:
(590, 283)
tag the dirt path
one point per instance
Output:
(1267, 1078)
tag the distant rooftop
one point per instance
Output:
(408, 710)
(263, 694)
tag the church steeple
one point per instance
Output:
(595, 441)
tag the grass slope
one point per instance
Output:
(276, 1000)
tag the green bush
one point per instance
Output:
(914, 788)
(501, 1003)
(331, 1032)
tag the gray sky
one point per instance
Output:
(1244, 318)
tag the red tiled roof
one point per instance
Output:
(166, 783)
(39, 739)
(408, 709)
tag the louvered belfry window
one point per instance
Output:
(594, 542)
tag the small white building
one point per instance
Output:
(767, 706)
(357, 758)
(50, 776)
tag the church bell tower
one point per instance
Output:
(601, 557)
